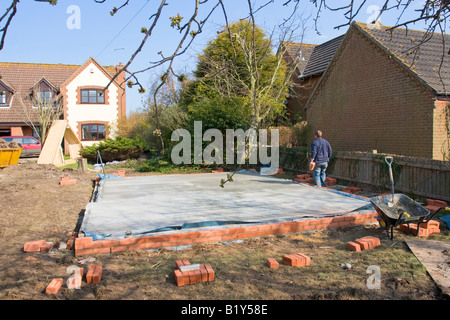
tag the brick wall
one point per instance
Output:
(301, 91)
(369, 102)
(86, 245)
(441, 146)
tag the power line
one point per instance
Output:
(122, 29)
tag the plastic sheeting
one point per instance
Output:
(151, 204)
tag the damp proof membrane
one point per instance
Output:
(152, 204)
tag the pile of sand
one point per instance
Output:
(5, 144)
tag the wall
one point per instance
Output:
(369, 102)
(301, 92)
(441, 137)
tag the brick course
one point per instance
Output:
(86, 245)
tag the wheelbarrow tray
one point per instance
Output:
(404, 210)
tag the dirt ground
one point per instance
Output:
(34, 206)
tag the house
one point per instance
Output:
(91, 111)
(378, 93)
(312, 63)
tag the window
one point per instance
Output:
(5, 95)
(93, 132)
(2, 97)
(94, 96)
(45, 96)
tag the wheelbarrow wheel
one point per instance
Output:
(383, 225)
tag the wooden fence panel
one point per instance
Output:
(419, 176)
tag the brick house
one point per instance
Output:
(92, 114)
(314, 60)
(372, 91)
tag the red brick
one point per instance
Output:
(80, 252)
(353, 246)
(204, 273)
(432, 208)
(54, 286)
(46, 247)
(70, 242)
(109, 243)
(119, 249)
(81, 242)
(272, 263)
(211, 273)
(423, 232)
(33, 246)
(94, 274)
(430, 224)
(197, 276)
(180, 279)
(437, 203)
(102, 250)
(306, 258)
(67, 181)
(351, 190)
(365, 245)
(375, 241)
(127, 241)
(289, 260)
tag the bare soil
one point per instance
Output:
(34, 206)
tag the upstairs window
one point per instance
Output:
(5, 95)
(44, 94)
(2, 97)
(92, 96)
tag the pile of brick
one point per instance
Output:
(293, 260)
(186, 274)
(93, 276)
(306, 178)
(37, 246)
(351, 190)
(364, 243)
(435, 205)
(120, 173)
(296, 260)
(425, 230)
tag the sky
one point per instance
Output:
(72, 31)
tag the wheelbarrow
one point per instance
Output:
(403, 210)
(397, 209)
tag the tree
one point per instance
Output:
(39, 110)
(240, 77)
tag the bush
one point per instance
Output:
(115, 149)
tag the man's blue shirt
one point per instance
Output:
(320, 150)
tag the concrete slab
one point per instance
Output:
(149, 204)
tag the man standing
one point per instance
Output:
(320, 155)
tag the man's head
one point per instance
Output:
(318, 134)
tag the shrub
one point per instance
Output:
(115, 149)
